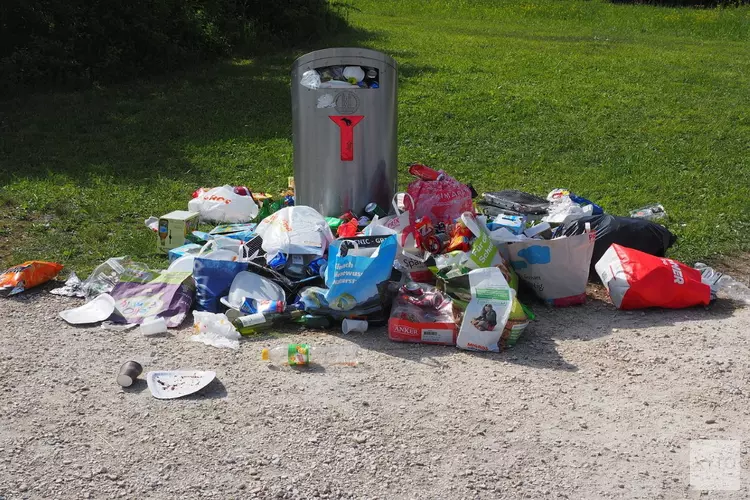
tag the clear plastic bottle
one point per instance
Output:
(650, 212)
(723, 285)
(304, 354)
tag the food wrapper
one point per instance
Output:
(27, 275)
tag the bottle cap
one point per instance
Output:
(264, 355)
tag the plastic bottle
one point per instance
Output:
(650, 212)
(304, 354)
(723, 284)
(253, 323)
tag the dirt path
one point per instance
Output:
(593, 403)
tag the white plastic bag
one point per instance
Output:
(409, 258)
(222, 204)
(297, 230)
(310, 79)
(487, 312)
(215, 330)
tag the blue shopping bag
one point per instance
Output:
(356, 266)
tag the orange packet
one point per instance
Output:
(27, 275)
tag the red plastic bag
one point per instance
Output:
(437, 195)
(347, 229)
(27, 275)
(636, 280)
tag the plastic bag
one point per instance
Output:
(213, 278)
(27, 275)
(106, 275)
(556, 269)
(409, 259)
(355, 268)
(73, 287)
(565, 210)
(516, 201)
(310, 79)
(487, 312)
(298, 230)
(437, 195)
(215, 330)
(638, 234)
(222, 204)
(637, 280)
(145, 294)
(423, 314)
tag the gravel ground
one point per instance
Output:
(593, 403)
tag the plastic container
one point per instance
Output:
(304, 354)
(153, 326)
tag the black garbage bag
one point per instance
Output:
(638, 234)
(291, 288)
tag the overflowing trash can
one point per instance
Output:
(344, 114)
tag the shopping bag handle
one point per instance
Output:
(395, 203)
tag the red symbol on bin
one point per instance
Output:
(346, 126)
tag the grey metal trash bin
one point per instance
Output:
(345, 148)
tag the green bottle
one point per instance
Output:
(276, 206)
(254, 323)
(316, 321)
(265, 210)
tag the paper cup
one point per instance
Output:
(353, 325)
(128, 373)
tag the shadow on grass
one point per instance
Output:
(693, 4)
(135, 132)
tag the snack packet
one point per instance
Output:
(27, 275)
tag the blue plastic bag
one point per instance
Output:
(355, 270)
(213, 278)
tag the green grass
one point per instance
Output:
(623, 104)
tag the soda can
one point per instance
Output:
(253, 306)
(314, 268)
(278, 262)
(363, 221)
(412, 288)
(436, 243)
(347, 216)
(372, 209)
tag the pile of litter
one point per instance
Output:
(442, 265)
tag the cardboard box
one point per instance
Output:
(174, 228)
(402, 330)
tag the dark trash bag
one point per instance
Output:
(291, 288)
(638, 234)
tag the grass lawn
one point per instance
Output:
(623, 104)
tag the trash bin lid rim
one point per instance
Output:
(353, 52)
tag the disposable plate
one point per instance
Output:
(94, 311)
(176, 384)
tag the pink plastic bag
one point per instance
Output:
(437, 195)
